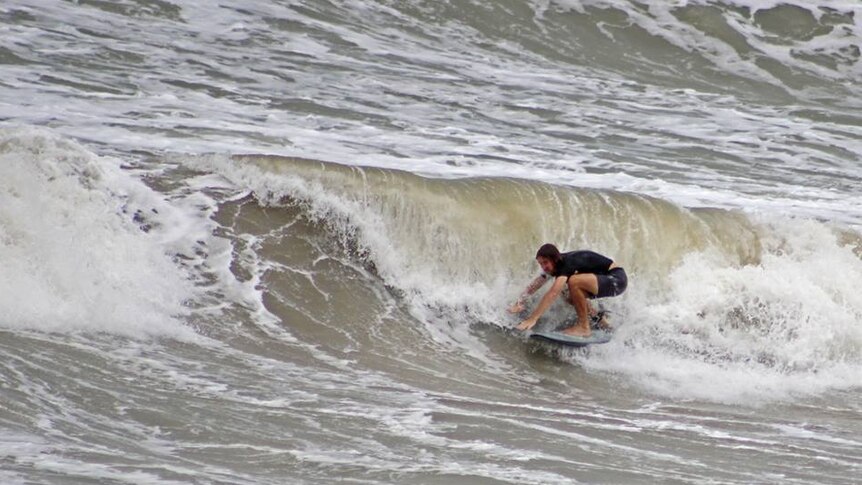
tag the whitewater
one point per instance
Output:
(274, 242)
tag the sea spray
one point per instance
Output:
(76, 252)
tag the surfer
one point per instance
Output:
(586, 273)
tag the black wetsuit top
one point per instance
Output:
(581, 262)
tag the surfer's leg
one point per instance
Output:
(580, 287)
(591, 311)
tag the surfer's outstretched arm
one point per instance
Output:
(550, 296)
(533, 287)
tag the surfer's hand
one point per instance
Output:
(527, 324)
(517, 307)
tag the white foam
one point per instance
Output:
(661, 20)
(73, 259)
(787, 327)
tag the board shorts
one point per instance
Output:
(612, 284)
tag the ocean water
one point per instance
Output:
(273, 241)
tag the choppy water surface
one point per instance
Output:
(273, 242)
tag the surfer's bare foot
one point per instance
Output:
(579, 330)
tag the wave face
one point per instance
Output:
(273, 242)
(714, 291)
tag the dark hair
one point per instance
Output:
(549, 251)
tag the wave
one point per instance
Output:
(478, 230)
(714, 296)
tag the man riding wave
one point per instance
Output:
(587, 275)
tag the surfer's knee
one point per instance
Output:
(573, 288)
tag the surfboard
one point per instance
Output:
(596, 337)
